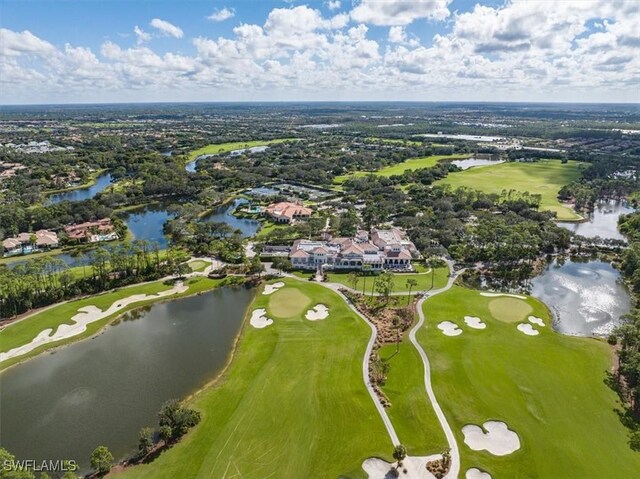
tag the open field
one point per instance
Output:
(237, 145)
(548, 388)
(398, 169)
(544, 177)
(23, 332)
(291, 404)
(399, 280)
(393, 141)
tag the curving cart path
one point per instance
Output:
(454, 471)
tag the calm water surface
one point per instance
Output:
(147, 224)
(101, 391)
(224, 214)
(587, 298)
(603, 222)
(82, 193)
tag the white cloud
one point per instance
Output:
(17, 43)
(222, 14)
(399, 12)
(333, 4)
(167, 28)
(141, 35)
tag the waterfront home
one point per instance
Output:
(287, 212)
(25, 243)
(92, 231)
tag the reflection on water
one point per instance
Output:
(224, 214)
(148, 223)
(587, 298)
(80, 194)
(603, 222)
(101, 391)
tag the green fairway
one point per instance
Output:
(237, 145)
(411, 412)
(398, 169)
(292, 403)
(544, 178)
(393, 141)
(399, 280)
(549, 389)
(198, 265)
(24, 331)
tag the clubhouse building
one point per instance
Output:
(375, 251)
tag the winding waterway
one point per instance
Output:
(101, 391)
(224, 214)
(81, 194)
(586, 298)
(603, 222)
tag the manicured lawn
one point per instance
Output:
(292, 403)
(399, 280)
(198, 265)
(237, 145)
(393, 141)
(398, 169)
(544, 177)
(411, 412)
(549, 389)
(23, 332)
(288, 302)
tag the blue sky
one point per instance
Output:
(520, 50)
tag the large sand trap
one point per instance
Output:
(416, 467)
(474, 322)
(449, 329)
(272, 288)
(536, 320)
(527, 329)
(474, 473)
(493, 436)
(494, 295)
(320, 311)
(259, 318)
(86, 315)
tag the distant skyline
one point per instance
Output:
(92, 51)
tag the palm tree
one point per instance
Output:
(411, 282)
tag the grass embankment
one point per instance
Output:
(398, 169)
(24, 331)
(549, 389)
(291, 404)
(237, 145)
(544, 178)
(399, 280)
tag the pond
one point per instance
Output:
(224, 214)
(603, 222)
(101, 391)
(81, 194)
(471, 162)
(67, 258)
(586, 298)
(147, 224)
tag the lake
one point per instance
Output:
(603, 222)
(586, 298)
(80, 194)
(147, 224)
(471, 162)
(191, 165)
(224, 214)
(101, 391)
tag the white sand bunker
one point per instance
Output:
(493, 436)
(494, 295)
(449, 329)
(474, 473)
(85, 316)
(272, 288)
(474, 322)
(527, 329)
(259, 318)
(416, 467)
(320, 311)
(536, 320)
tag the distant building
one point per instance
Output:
(287, 212)
(384, 249)
(92, 231)
(25, 243)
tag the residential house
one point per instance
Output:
(287, 212)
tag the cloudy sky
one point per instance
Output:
(66, 51)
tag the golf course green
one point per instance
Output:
(548, 388)
(292, 402)
(236, 145)
(544, 177)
